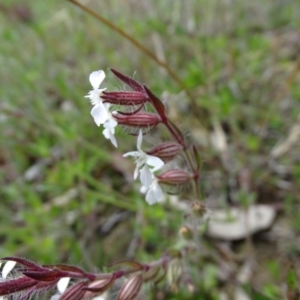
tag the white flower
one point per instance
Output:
(99, 111)
(153, 192)
(143, 161)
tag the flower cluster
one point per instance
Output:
(131, 109)
(73, 283)
(141, 111)
(101, 111)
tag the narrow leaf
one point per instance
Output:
(197, 158)
(158, 105)
(178, 132)
(75, 292)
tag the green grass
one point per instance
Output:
(239, 62)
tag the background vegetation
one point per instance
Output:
(67, 195)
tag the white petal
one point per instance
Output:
(113, 140)
(143, 189)
(154, 194)
(145, 176)
(136, 173)
(106, 133)
(131, 153)
(109, 130)
(155, 162)
(150, 197)
(89, 95)
(107, 105)
(109, 134)
(100, 114)
(63, 284)
(95, 96)
(8, 268)
(96, 78)
(159, 195)
(139, 141)
(111, 123)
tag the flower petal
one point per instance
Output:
(150, 197)
(113, 140)
(107, 105)
(146, 176)
(159, 195)
(155, 162)
(143, 189)
(10, 264)
(139, 141)
(136, 173)
(131, 153)
(95, 96)
(63, 284)
(154, 193)
(109, 135)
(111, 123)
(96, 78)
(100, 114)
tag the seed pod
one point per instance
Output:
(124, 98)
(75, 292)
(174, 177)
(139, 120)
(165, 151)
(131, 288)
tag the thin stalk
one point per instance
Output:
(187, 156)
(202, 113)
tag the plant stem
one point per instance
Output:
(194, 107)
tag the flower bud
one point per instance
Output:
(186, 232)
(174, 177)
(76, 291)
(165, 151)
(131, 288)
(99, 286)
(125, 98)
(140, 120)
(19, 284)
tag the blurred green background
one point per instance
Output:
(66, 193)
